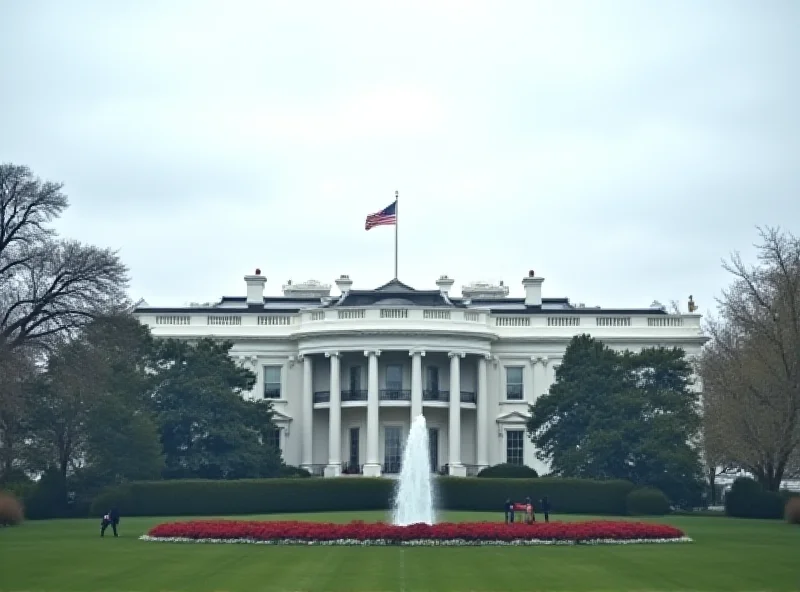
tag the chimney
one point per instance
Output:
(533, 289)
(344, 283)
(255, 288)
(444, 284)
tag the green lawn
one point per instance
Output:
(68, 555)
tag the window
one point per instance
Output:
(432, 379)
(272, 382)
(433, 447)
(515, 440)
(354, 456)
(514, 388)
(274, 438)
(392, 451)
(355, 378)
(394, 378)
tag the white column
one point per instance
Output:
(308, 412)
(334, 468)
(455, 467)
(416, 383)
(482, 421)
(372, 468)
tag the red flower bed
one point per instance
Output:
(466, 532)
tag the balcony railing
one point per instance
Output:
(435, 395)
(322, 397)
(573, 322)
(354, 395)
(395, 395)
(468, 397)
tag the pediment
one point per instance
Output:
(279, 417)
(395, 285)
(513, 417)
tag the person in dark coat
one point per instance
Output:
(111, 519)
(545, 505)
(509, 507)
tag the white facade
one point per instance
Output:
(347, 373)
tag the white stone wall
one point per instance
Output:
(538, 346)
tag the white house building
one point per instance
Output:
(347, 373)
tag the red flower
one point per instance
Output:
(471, 531)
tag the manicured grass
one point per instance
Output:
(69, 555)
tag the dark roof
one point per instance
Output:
(394, 293)
(268, 299)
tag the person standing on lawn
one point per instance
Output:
(545, 505)
(509, 511)
(529, 518)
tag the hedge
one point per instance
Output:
(505, 471)
(748, 499)
(647, 501)
(265, 496)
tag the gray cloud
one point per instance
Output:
(619, 148)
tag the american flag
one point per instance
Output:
(386, 217)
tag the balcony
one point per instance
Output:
(322, 397)
(436, 395)
(395, 395)
(468, 397)
(354, 395)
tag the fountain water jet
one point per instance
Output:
(413, 502)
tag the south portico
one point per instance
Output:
(447, 385)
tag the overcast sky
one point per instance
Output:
(619, 149)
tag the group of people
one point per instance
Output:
(527, 509)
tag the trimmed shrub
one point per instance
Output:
(506, 471)
(747, 499)
(291, 471)
(792, 510)
(11, 512)
(647, 501)
(264, 496)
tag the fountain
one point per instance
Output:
(413, 502)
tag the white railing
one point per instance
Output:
(224, 320)
(358, 313)
(613, 321)
(563, 321)
(275, 320)
(509, 321)
(443, 315)
(665, 322)
(173, 320)
(314, 320)
(394, 313)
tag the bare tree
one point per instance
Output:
(17, 374)
(751, 368)
(48, 286)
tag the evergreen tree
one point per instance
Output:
(613, 415)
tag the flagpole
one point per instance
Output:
(396, 223)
